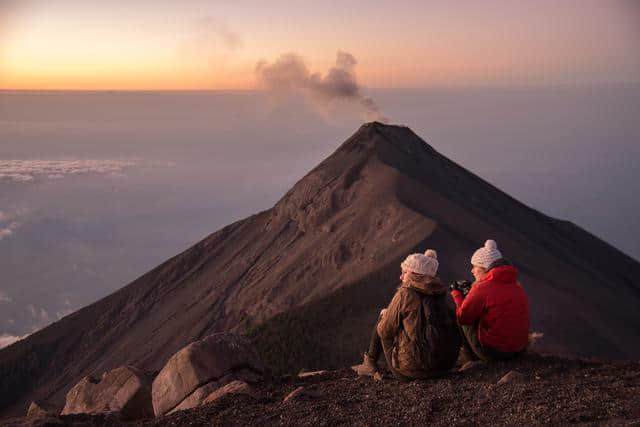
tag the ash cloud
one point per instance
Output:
(210, 29)
(210, 37)
(290, 72)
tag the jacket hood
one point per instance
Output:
(428, 287)
(502, 274)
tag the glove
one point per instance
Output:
(460, 285)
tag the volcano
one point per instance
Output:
(307, 278)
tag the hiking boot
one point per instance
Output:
(472, 364)
(367, 368)
(464, 356)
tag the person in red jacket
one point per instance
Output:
(494, 315)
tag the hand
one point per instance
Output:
(460, 285)
(382, 312)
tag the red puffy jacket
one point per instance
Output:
(500, 304)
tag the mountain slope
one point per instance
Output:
(313, 271)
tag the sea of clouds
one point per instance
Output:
(29, 170)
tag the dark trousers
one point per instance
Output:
(471, 344)
(375, 350)
(375, 344)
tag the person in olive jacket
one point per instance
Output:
(494, 316)
(417, 332)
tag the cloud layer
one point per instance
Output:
(29, 170)
(8, 225)
(6, 339)
(4, 297)
(289, 72)
(40, 318)
(7, 230)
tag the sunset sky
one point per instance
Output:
(198, 44)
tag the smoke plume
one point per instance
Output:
(290, 72)
(210, 31)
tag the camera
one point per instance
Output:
(463, 286)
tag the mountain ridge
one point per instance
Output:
(326, 256)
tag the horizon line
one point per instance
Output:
(461, 86)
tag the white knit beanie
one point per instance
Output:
(486, 255)
(426, 264)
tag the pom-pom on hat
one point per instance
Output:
(426, 264)
(486, 255)
(431, 253)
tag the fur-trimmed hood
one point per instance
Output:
(432, 286)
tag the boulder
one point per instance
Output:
(41, 409)
(200, 394)
(198, 397)
(211, 392)
(233, 387)
(125, 390)
(200, 363)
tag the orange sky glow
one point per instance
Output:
(198, 44)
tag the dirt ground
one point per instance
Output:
(545, 390)
(548, 391)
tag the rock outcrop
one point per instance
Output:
(40, 409)
(234, 387)
(125, 390)
(202, 367)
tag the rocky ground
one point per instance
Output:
(540, 390)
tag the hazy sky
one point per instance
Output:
(198, 44)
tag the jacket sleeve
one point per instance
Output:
(472, 306)
(392, 318)
(457, 297)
